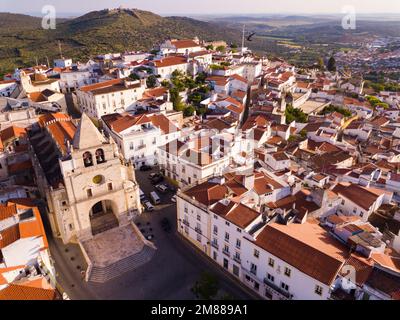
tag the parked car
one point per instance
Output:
(173, 199)
(155, 198)
(154, 174)
(145, 168)
(162, 188)
(148, 206)
(157, 180)
(142, 195)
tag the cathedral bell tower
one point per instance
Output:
(102, 191)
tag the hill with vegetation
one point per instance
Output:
(98, 32)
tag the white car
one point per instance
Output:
(162, 188)
(173, 199)
(148, 206)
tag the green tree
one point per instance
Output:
(134, 77)
(176, 100)
(210, 47)
(151, 81)
(294, 114)
(201, 78)
(189, 111)
(206, 288)
(220, 48)
(331, 64)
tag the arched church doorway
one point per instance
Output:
(102, 217)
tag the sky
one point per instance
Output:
(191, 7)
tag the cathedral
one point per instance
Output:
(91, 192)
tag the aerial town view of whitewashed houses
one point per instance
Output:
(201, 159)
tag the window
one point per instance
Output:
(110, 186)
(198, 217)
(256, 253)
(226, 249)
(239, 230)
(227, 223)
(253, 269)
(284, 286)
(270, 277)
(238, 243)
(215, 217)
(318, 290)
(89, 193)
(131, 147)
(287, 272)
(235, 270)
(226, 236)
(215, 230)
(199, 237)
(271, 262)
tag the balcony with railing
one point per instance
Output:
(198, 230)
(237, 259)
(283, 294)
(185, 222)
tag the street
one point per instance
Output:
(170, 275)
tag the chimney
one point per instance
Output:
(249, 181)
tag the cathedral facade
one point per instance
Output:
(88, 186)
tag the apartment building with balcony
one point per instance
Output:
(139, 137)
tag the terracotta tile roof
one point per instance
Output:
(162, 122)
(199, 54)
(100, 85)
(219, 80)
(385, 282)
(12, 132)
(169, 61)
(60, 127)
(7, 211)
(218, 124)
(29, 290)
(299, 201)
(307, 247)
(184, 44)
(239, 78)
(155, 93)
(264, 184)
(361, 196)
(120, 122)
(258, 121)
(236, 213)
(208, 193)
(9, 236)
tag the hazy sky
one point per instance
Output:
(206, 6)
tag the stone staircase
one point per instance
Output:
(104, 274)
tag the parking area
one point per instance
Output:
(169, 275)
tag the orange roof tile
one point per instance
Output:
(12, 132)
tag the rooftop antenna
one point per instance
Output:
(37, 62)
